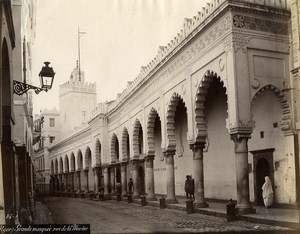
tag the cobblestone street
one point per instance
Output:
(109, 214)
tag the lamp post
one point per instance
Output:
(46, 78)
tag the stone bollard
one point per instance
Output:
(162, 203)
(129, 198)
(190, 206)
(143, 200)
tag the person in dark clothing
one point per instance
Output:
(192, 187)
(118, 188)
(130, 186)
(188, 187)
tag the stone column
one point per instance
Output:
(72, 181)
(66, 181)
(169, 156)
(61, 187)
(198, 174)
(242, 175)
(150, 190)
(79, 181)
(112, 179)
(96, 174)
(106, 180)
(124, 178)
(56, 183)
(86, 175)
(136, 188)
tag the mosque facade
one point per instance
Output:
(218, 103)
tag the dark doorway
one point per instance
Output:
(262, 166)
(262, 170)
(142, 180)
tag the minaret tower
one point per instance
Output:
(77, 99)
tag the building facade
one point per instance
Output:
(17, 36)
(212, 103)
(46, 131)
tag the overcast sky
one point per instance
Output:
(121, 36)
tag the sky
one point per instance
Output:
(121, 36)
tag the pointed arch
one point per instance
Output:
(79, 161)
(136, 141)
(150, 131)
(61, 165)
(170, 123)
(56, 167)
(98, 153)
(200, 119)
(66, 164)
(125, 144)
(114, 148)
(286, 120)
(87, 158)
(52, 172)
(72, 162)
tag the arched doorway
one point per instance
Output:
(262, 170)
(263, 166)
(142, 180)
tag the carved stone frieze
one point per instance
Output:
(258, 24)
(236, 42)
(180, 60)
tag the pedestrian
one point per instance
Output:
(267, 193)
(187, 187)
(192, 187)
(118, 188)
(130, 186)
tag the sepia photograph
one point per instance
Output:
(149, 116)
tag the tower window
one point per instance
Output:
(52, 122)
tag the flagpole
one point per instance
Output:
(79, 33)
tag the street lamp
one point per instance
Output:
(46, 78)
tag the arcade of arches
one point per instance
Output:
(213, 110)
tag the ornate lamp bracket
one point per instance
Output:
(21, 88)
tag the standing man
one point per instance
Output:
(130, 186)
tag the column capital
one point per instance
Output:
(197, 145)
(169, 155)
(149, 157)
(238, 136)
(169, 152)
(135, 160)
(105, 165)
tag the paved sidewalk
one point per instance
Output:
(273, 216)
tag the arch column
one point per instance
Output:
(150, 190)
(79, 181)
(86, 175)
(66, 181)
(124, 178)
(106, 180)
(112, 179)
(169, 156)
(72, 180)
(56, 183)
(242, 175)
(96, 176)
(135, 175)
(198, 170)
(61, 188)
